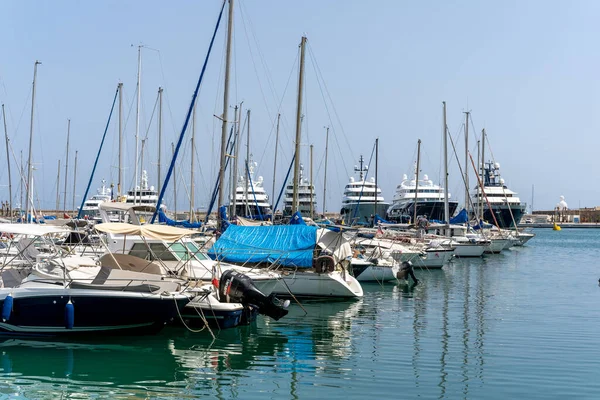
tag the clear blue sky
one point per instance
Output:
(526, 70)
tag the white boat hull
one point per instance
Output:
(434, 259)
(365, 271)
(312, 284)
(496, 245)
(468, 250)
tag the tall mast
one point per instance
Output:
(21, 175)
(376, 185)
(120, 182)
(58, 188)
(74, 179)
(247, 170)
(66, 168)
(192, 165)
(8, 164)
(476, 212)
(160, 94)
(446, 206)
(174, 183)
(225, 109)
(235, 161)
(466, 159)
(417, 181)
(480, 198)
(28, 193)
(311, 182)
(298, 126)
(137, 125)
(275, 158)
(325, 178)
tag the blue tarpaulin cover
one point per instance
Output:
(297, 219)
(289, 245)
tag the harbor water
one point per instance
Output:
(521, 324)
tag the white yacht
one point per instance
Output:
(362, 199)
(143, 194)
(251, 199)
(429, 200)
(90, 207)
(500, 204)
(306, 196)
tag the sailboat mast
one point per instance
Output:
(446, 206)
(158, 164)
(58, 188)
(325, 177)
(235, 161)
(298, 125)
(466, 159)
(247, 169)
(225, 109)
(28, 192)
(417, 181)
(21, 175)
(480, 199)
(174, 183)
(311, 182)
(137, 125)
(275, 158)
(74, 178)
(476, 212)
(120, 183)
(192, 164)
(376, 183)
(8, 165)
(66, 168)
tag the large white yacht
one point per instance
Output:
(505, 207)
(143, 194)
(90, 207)
(429, 200)
(251, 199)
(306, 196)
(362, 199)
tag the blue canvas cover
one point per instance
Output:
(460, 218)
(289, 245)
(163, 219)
(297, 219)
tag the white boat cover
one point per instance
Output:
(32, 229)
(160, 232)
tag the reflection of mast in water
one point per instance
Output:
(419, 321)
(480, 299)
(465, 336)
(445, 336)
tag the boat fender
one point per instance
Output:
(7, 307)
(69, 315)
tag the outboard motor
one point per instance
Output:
(406, 269)
(235, 287)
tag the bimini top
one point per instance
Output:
(32, 229)
(160, 232)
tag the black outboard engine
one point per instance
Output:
(235, 287)
(406, 269)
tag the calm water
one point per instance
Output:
(522, 324)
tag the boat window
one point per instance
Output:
(162, 253)
(140, 250)
(182, 252)
(194, 249)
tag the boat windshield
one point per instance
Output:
(194, 249)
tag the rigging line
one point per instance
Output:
(313, 58)
(462, 174)
(331, 124)
(27, 101)
(189, 113)
(165, 95)
(362, 188)
(151, 117)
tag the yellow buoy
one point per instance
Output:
(556, 227)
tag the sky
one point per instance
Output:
(526, 72)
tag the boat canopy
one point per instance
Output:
(118, 206)
(160, 232)
(163, 219)
(288, 245)
(32, 229)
